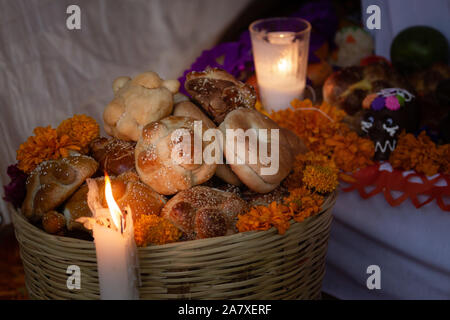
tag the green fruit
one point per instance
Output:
(417, 48)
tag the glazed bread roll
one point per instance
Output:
(53, 222)
(113, 155)
(165, 158)
(252, 174)
(127, 191)
(203, 212)
(54, 181)
(218, 92)
(188, 109)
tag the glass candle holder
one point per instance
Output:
(280, 52)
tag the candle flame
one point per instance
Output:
(114, 209)
(284, 65)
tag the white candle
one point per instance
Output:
(114, 245)
(280, 58)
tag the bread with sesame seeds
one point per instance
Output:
(218, 92)
(113, 155)
(127, 190)
(203, 212)
(53, 222)
(166, 158)
(188, 109)
(53, 182)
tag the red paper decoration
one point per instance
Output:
(383, 178)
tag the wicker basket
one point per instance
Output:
(250, 265)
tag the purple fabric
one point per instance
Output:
(324, 22)
(15, 190)
(237, 56)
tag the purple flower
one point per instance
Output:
(324, 22)
(378, 103)
(15, 191)
(234, 57)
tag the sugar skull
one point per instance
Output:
(386, 114)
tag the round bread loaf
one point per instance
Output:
(166, 159)
(253, 174)
(113, 155)
(188, 109)
(203, 212)
(54, 181)
(218, 92)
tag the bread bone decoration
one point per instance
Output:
(156, 157)
(203, 212)
(263, 175)
(218, 92)
(127, 191)
(136, 102)
(54, 181)
(188, 109)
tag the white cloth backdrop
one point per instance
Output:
(48, 73)
(411, 246)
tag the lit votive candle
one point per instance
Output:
(280, 52)
(114, 245)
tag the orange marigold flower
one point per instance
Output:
(322, 130)
(263, 218)
(320, 178)
(299, 205)
(295, 178)
(420, 154)
(81, 129)
(44, 145)
(303, 203)
(151, 229)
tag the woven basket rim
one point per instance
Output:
(248, 235)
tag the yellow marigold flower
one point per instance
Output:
(151, 229)
(81, 129)
(295, 178)
(320, 178)
(44, 145)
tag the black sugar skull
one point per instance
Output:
(387, 113)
